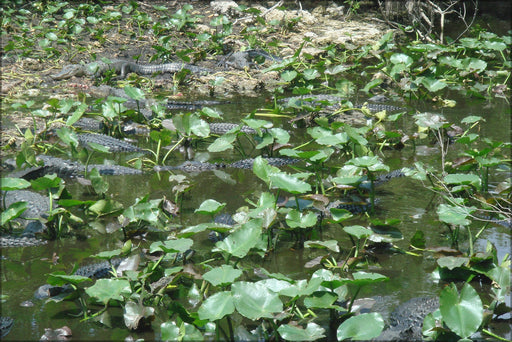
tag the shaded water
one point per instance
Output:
(24, 269)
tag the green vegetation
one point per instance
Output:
(219, 298)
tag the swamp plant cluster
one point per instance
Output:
(214, 294)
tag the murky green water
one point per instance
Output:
(24, 269)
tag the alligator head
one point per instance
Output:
(69, 71)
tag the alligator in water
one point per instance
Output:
(64, 168)
(195, 166)
(8, 241)
(6, 324)
(406, 321)
(331, 102)
(144, 106)
(244, 59)
(123, 67)
(113, 144)
(93, 271)
(37, 205)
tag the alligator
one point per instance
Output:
(248, 163)
(113, 144)
(122, 67)
(406, 321)
(220, 128)
(7, 241)
(94, 271)
(195, 166)
(93, 125)
(105, 91)
(191, 166)
(217, 128)
(6, 324)
(244, 59)
(37, 205)
(331, 102)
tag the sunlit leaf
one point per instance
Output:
(462, 313)
(361, 327)
(217, 306)
(254, 301)
(293, 333)
(224, 274)
(105, 290)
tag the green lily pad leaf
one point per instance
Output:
(99, 185)
(432, 121)
(401, 58)
(224, 274)
(134, 313)
(56, 279)
(9, 184)
(109, 289)
(329, 244)
(77, 114)
(105, 207)
(217, 306)
(289, 183)
(453, 215)
(276, 285)
(292, 333)
(254, 301)
(462, 178)
(288, 75)
(14, 211)
(364, 278)
(462, 313)
(433, 84)
(210, 207)
(320, 299)
(451, 262)
(501, 276)
(471, 119)
(333, 139)
(340, 215)
(361, 327)
(358, 231)
(171, 332)
(171, 246)
(295, 219)
(241, 241)
(280, 135)
(134, 93)
(199, 127)
(222, 143)
(46, 182)
(207, 111)
(107, 255)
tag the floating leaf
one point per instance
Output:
(329, 244)
(222, 275)
(295, 219)
(109, 289)
(210, 207)
(134, 313)
(241, 241)
(361, 327)
(254, 301)
(462, 313)
(292, 333)
(217, 306)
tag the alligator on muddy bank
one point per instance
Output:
(122, 67)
